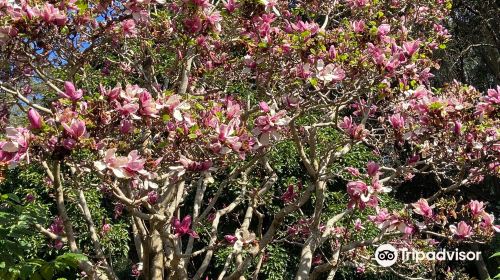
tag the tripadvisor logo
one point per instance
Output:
(387, 255)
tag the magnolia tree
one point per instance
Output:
(165, 105)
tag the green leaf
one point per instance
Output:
(47, 272)
(14, 197)
(82, 6)
(497, 254)
(71, 259)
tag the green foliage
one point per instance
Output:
(277, 264)
(40, 269)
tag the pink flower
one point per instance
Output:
(410, 48)
(493, 96)
(148, 104)
(357, 3)
(358, 225)
(193, 25)
(69, 143)
(76, 129)
(16, 148)
(128, 28)
(153, 197)
(353, 171)
(372, 169)
(463, 230)
(267, 126)
(196, 166)
(332, 52)
(358, 26)
(358, 193)
(111, 94)
(397, 121)
(52, 15)
(487, 222)
(106, 228)
(231, 6)
(70, 92)
(329, 73)
(122, 167)
(231, 239)
(184, 227)
(383, 29)
(34, 118)
(264, 107)
(126, 126)
(457, 127)
(476, 208)
(423, 208)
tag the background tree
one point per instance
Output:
(226, 139)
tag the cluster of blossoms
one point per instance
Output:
(481, 221)
(268, 125)
(121, 166)
(392, 221)
(362, 195)
(16, 147)
(429, 120)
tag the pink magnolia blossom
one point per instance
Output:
(193, 25)
(422, 208)
(397, 121)
(487, 222)
(15, 148)
(121, 166)
(353, 171)
(372, 169)
(70, 92)
(52, 15)
(148, 105)
(358, 225)
(267, 126)
(231, 239)
(457, 127)
(111, 94)
(355, 131)
(184, 227)
(329, 73)
(476, 208)
(126, 126)
(106, 228)
(358, 26)
(383, 29)
(357, 3)
(34, 118)
(76, 129)
(137, 270)
(410, 48)
(69, 143)
(493, 96)
(463, 230)
(153, 197)
(197, 166)
(231, 6)
(57, 227)
(128, 28)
